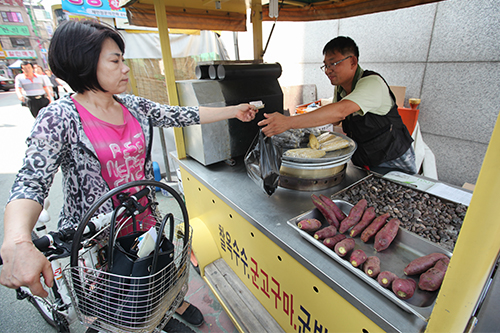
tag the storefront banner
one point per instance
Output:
(99, 8)
(20, 54)
(18, 3)
(18, 30)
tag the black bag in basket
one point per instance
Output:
(130, 301)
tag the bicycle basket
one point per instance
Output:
(114, 290)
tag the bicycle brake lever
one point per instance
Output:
(60, 249)
(131, 202)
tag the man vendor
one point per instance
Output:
(366, 107)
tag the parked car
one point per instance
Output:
(6, 84)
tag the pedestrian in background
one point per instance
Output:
(32, 89)
(55, 83)
(40, 72)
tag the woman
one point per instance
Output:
(39, 72)
(98, 139)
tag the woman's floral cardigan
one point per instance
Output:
(58, 140)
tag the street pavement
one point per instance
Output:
(22, 317)
(15, 124)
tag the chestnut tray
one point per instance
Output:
(406, 247)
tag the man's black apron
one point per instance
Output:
(379, 138)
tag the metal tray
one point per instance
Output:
(332, 156)
(406, 247)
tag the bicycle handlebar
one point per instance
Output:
(59, 241)
(46, 242)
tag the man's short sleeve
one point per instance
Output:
(17, 81)
(371, 94)
(46, 81)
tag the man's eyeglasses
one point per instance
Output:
(332, 66)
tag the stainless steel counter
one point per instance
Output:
(270, 215)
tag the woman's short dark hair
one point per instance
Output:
(342, 45)
(74, 53)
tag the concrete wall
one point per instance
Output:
(445, 53)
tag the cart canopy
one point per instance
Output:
(230, 15)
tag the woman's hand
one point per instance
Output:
(243, 112)
(246, 112)
(22, 262)
(22, 266)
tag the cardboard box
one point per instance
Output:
(399, 92)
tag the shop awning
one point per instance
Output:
(230, 15)
(190, 14)
(314, 10)
(16, 64)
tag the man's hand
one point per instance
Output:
(275, 123)
(246, 112)
(22, 266)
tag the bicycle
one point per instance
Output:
(85, 290)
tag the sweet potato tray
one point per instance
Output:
(406, 247)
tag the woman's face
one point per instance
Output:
(38, 70)
(111, 69)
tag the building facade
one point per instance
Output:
(25, 32)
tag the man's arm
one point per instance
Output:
(19, 88)
(276, 123)
(19, 92)
(49, 92)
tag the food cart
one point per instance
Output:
(267, 275)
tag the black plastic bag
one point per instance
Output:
(263, 162)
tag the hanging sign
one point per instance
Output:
(17, 30)
(20, 54)
(99, 8)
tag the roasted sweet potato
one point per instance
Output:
(354, 216)
(432, 279)
(332, 241)
(404, 288)
(372, 266)
(367, 218)
(385, 278)
(374, 227)
(305, 153)
(309, 225)
(333, 206)
(386, 235)
(313, 141)
(423, 263)
(347, 223)
(442, 264)
(358, 257)
(325, 210)
(344, 246)
(326, 232)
